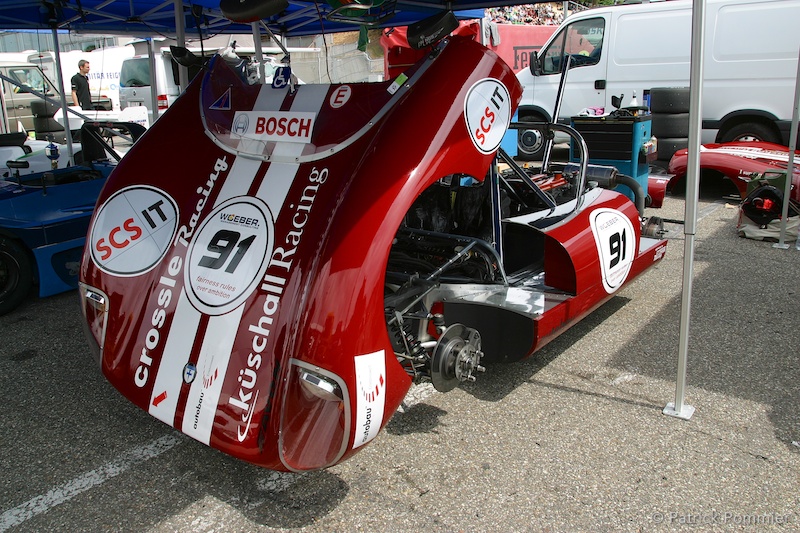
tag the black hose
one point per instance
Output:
(638, 191)
(609, 177)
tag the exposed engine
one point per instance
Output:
(448, 246)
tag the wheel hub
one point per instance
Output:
(456, 358)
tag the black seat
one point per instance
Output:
(92, 145)
(13, 139)
(44, 124)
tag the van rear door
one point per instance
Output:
(134, 82)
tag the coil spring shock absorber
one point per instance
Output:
(409, 349)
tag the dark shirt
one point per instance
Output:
(80, 84)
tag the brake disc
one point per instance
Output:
(456, 358)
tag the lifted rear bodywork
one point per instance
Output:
(314, 250)
(742, 163)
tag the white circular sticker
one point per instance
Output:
(340, 96)
(133, 230)
(229, 255)
(487, 110)
(616, 245)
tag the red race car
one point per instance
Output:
(303, 254)
(741, 162)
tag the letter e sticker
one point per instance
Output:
(370, 396)
(616, 245)
(487, 111)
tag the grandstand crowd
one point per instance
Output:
(543, 14)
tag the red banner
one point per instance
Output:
(516, 42)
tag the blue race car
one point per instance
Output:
(44, 216)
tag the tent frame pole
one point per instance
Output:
(678, 408)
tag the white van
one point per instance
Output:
(104, 72)
(135, 82)
(750, 65)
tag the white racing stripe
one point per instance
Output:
(177, 350)
(272, 190)
(65, 492)
(239, 179)
(169, 380)
(217, 345)
(212, 365)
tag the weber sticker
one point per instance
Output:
(133, 230)
(229, 255)
(487, 110)
(370, 396)
(615, 239)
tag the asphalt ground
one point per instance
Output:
(573, 439)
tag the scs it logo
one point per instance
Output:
(487, 110)
(119, 238)
(133, 230)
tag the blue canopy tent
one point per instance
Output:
(203, 17)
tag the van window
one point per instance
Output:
(135, 72)
(581, 40)
(29, 77)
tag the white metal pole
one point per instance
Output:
(262, 77)
(61, 92)
(679, 409)
(787, 187)
(153, 79)
(180, 38)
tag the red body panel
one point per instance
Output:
(331, 205)
(243, 278)
(657, 188)
(739, 161)
(577, 267)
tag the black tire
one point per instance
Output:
(667, 146)
(670, 125)
(16, 274)
(669, 100)
(751, 131)
(530, 143)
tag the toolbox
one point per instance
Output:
(623, 142)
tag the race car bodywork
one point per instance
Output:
(18, 147)
(275, 288)
(740, 162)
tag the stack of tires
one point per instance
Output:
(669, 108)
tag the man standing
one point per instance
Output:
(80, 86)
